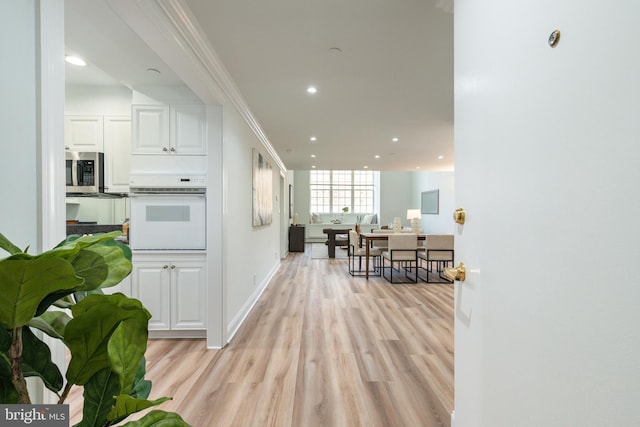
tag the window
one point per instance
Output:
(331, 191)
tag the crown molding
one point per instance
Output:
(172, 22)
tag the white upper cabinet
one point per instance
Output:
(117, 153)
(173, 129)
(150, 129)
(84, 133)
(188, 129)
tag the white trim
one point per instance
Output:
(201, 50)
(50, 104)
(172, 31)
(51, 122)
(239, 318)
(193, 333)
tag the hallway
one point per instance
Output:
(320, 348)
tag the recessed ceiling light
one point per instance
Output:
(366, 167)
(417, 167)
(154, 70)
(313, 139)
(377, 156)
(335, 51)
(313, 156)
(313, 166)
(440, 157)
(312, 89)
(394, 139)
(75, 60)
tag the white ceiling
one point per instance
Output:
(392, 78)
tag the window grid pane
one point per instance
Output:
(341, 199)
(363, 200)
(320, 199)
(331, 191)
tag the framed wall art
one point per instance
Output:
(262, 190)
(430, 202)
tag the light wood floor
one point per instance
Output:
(320, 348)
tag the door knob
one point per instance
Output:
(459, 215)
(458, 273)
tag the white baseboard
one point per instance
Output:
(240, 317)
(453, 418)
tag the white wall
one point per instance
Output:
(396, 196)
(444, 182)
(98, 100)
(302, 195)
(18, 162)
(251, 253)
(31, 134)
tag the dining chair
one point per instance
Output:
(356, 250)
(403, 252)
(438, 250)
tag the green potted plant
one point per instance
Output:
(59, 293)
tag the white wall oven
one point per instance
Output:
(168, 212)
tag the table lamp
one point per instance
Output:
(415, 217)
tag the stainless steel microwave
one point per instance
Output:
(84, 172)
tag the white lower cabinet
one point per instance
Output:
(173, 288)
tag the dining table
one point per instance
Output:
(368, 239)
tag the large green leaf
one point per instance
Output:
(95, 318)
(5, 366)
(8, 246)
(5, 340)
(80, 242)
(51, 323)
(101, 265)
(126, 250)
(8, 393)
(126, 348)
(26, 282)
(99, 398)
(127, 405)
(5, 363)
(36, 361)
(141, 387)
(64, 302)
(91, 266)
(158, 418)
(119, 266)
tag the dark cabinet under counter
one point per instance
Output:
(296, 238)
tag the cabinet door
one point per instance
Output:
(117, 153)
(150, 129)
(151, 286)
(188, 129)
(84, 133)
(188, 295)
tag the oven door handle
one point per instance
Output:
(163, 193)
(74, 173)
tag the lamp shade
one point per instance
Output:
(414, 213)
